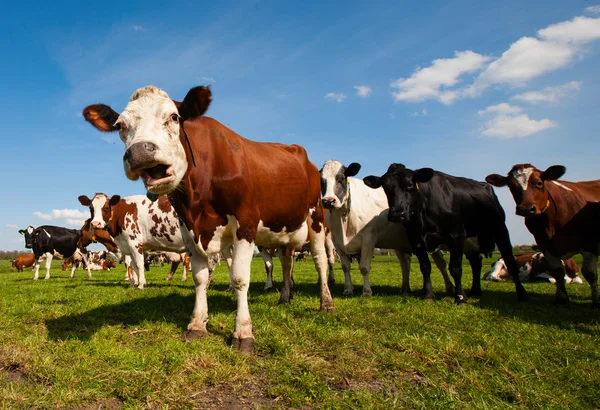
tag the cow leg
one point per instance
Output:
(174, 266)
(588, 270)
(557, 270)
(73, 268)
(503, 242)
(319, 255)
(184, 276)
(366, 256)
(137, 261)
(425, 265)
(86, 260)
(197, 327)
(438, 259)
(404, 259)
(243, 251)
(455, 265)
(229, 261)
(348, 286)
(286, 257)
(329, 248)
(268, 260)
(48, 264)
(36, 267)
(476, 262)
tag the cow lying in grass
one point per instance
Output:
(532, 267)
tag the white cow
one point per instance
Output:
(357, 218)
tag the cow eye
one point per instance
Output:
(174, 117)
(540, 184)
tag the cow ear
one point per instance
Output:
(195, 103)
(372, 181)
(22, 232)
(423, 175)
(496, 180)
(84, 200)
(352, 169)
(553, 173)
(114, 200)
(102, 117)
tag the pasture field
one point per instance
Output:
(89, 344)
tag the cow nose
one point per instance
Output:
(526, 210)
(96, 224)
(397, 216)
(328, 202)
(140, 152)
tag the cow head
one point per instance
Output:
(29, 235)
(401, 186)
(100, 208)
(151, 126)
(334, 183)
(527, 186)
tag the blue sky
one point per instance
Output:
(468, 88)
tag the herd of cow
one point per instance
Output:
(211, 191)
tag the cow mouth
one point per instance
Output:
(157, 175)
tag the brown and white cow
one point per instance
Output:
(226, 189)
(136, 224)
(563, 217)
(23, 261)
(532, 267)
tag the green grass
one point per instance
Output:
(84, 343)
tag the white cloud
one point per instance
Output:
(422, 113)
(579, 30)
(337, 97)
(549, 94)
(208, 79)
(593, 9)
(62, 214)
(503, 108)
(12, 226)
(138, 28)
(78, 223)
(426, 83)
(556, 46)
(510, 122)
(363, 91)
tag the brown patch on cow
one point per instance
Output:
(241, 183)
(143, 202)
(173, 230)
(164, 204)
(140, 249)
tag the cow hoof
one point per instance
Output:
(35, 278)
(245, 345)
(348, 293)
(268, 288)
(284, 300)
(327, 307)
(367, 294)
(405, 290)
(460, 301)
(190, 335)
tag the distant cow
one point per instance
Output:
(532, 267)
(358, 219)
(23, 261)
(48, 240)
(301, 256)
(440, 209)
(562, 216)
(136, 224)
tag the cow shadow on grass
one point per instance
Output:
(174, 308)
(541, 309)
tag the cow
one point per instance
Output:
(23, 261)
(440, 209)
(562, 216)
(175, 259)
(532, 267)
(50, 240)
(358, 219)
(226, 190)
(301, 257)
(136, 225)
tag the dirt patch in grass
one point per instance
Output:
(12, 373)
(225, 396)
(102, 404)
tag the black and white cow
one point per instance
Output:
(358, 219)
(438, 208)
(48, 240)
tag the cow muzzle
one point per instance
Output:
(526, 210)
(140, 154)
(329, 202)
(397, 216)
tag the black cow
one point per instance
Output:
(51, 240)
(439, 209)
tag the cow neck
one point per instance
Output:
(114, 225)
(543, 226)
(345, 219)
